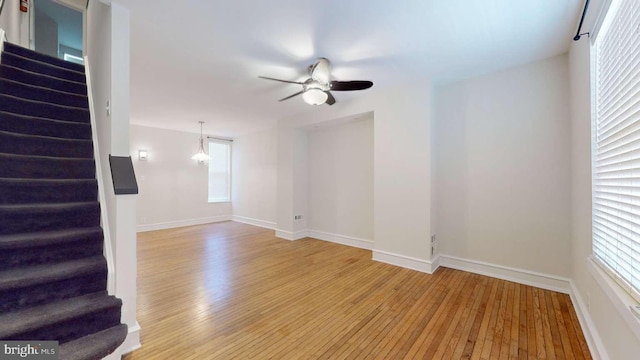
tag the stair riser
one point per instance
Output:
(16, 299)
(23, 192)
(11, 48)
(15, 258)
(40, 68)
(42, 127)
(32, 220)
(45, 95)
(44, 110)
(74, 328)
(46, 168)
(40, 80)
(28, 145)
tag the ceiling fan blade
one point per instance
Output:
(284, 81)
(290, 96)
(330, 99)
(320, 70)
(350, 85)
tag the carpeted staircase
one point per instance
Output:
(53, 275)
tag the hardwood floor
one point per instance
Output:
(230, 290)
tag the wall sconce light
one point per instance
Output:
(142, 155)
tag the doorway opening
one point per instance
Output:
(57, 30)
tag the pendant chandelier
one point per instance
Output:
(201, 155)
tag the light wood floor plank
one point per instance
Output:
(235, 291)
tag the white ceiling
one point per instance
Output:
(195, 60)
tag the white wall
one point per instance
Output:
(46, 34)
(300, 180)
(340, 167)
(402, 178)
(254, 177)
(107, 36)
(173, 188)
(503, 168)
(616, 331)
(15, 23)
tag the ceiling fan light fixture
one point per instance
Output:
(315, 96)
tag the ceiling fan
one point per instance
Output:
(316, 90)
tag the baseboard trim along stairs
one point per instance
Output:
(53, 274)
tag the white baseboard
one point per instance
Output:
(596, 347)
(255, 222)
(130, 344)
(422, 265)
(341, 239)
(181, 223)
(521, 276)
(288, 235)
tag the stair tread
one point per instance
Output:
(46, 103)
(36, 317)
(41, 238)
(15, 48)
(33, 275)
(24, 106)
(44, 157)
(47, 181)
(94, 346)
(56, 121)
(48, 206)
(44, 88)
(71, 71)
(33, 125)
(32, 77)
(43, 137)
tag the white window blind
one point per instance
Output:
(616, 148)
(219, 171)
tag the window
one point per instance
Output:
(219, 171)
(616, 146)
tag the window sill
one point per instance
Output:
(620, 299)
(220, 202)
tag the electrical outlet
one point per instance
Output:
(297, 217)
(433, 238)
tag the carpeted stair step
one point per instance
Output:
(17, 219)
(20, 144)
(28, 53)
(36, 248)
(95, 346)
(29, 125)
(42, 67)
(23, 166)
(64, 320)
(43, 94)
(35, 191)
(33, 78)
(20, 106)
(36, 285)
